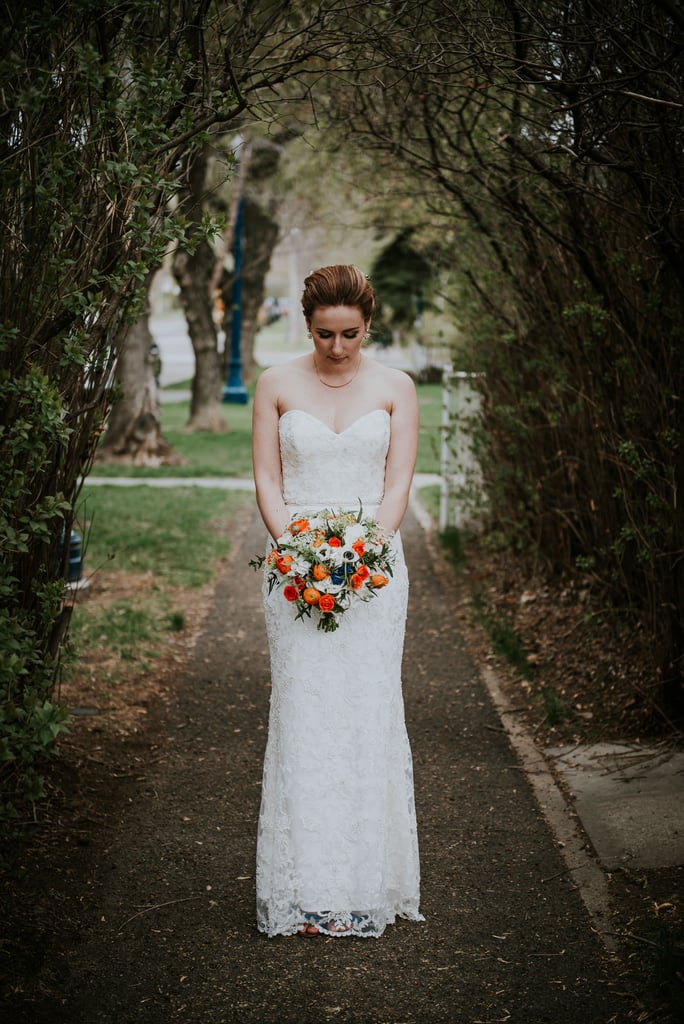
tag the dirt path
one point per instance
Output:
(151, 915)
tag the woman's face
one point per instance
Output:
(337, 333)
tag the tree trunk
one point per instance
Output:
(134, 427)
(194, 271)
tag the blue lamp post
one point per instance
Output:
(234, 389)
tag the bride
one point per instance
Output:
(337, 849)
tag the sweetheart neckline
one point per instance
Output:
(330, 429)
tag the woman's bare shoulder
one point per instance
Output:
(397, 381)
(274, 375)
(277, 382)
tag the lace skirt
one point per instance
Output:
(337, 829)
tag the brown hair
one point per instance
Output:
(340, 285)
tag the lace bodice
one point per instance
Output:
(322, 468)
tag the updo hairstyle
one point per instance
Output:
(340, 285)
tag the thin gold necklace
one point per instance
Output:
(346, 383)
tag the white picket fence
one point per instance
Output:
(462, 497)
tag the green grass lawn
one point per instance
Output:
(147, 550)
(430, 498)
(178, 533)
(225, 454)
(429, 433)
(229, 453)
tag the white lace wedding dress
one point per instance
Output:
(337, 830)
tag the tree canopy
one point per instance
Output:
(102, 104)
(543, 144)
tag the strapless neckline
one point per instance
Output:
(322, 467)
(336, 433)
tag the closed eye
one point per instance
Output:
(349, 335)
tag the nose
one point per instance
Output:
(338, 346)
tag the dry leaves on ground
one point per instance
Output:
(589, 676)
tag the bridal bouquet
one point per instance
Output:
(327, 562)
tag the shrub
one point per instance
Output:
(33, 441)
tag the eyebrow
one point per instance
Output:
(345, 330)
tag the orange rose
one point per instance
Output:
(311, 596)
(326, 602)
(378, 580)
(356, 581)
(363, 571)
(290, 593)
(359, 547)
(320, 572)
(299, 526)
(284, 563)
(334, 542)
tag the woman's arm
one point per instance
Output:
(401, 457)
(266, 455)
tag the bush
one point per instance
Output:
(33, 440)
(100, 106)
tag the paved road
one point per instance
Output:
(166, 927)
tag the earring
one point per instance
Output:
(366, 336)
(309, 335)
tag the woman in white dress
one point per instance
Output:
(337, 850)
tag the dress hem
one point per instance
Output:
(353, 932)
(364, 929)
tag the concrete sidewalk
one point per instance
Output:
(167, 929)
(221, 483)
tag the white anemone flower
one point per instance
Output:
(328, 554)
